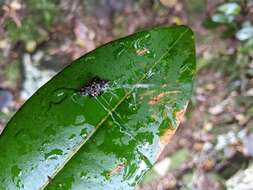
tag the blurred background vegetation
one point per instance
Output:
(213, 148)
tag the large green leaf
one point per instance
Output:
(107, 137)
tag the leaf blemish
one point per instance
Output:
(49, 179)
(117, 169)
(156, 99)
(94, 87)
(142, 52)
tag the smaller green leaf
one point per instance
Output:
(246, 32)
(229, 9)
(220, 18)
(210, 24)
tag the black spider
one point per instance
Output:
(94, 87)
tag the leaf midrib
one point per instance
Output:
(112, 110)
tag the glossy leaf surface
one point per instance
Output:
(108, 134)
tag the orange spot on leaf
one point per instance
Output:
(168, 134)
(117, 169)
(156, 99)
(141, 52)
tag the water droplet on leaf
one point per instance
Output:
(53, 154)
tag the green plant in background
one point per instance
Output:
(12, 74)
(235, 17)
(38, 16)
(225, 13)
(102, 122)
